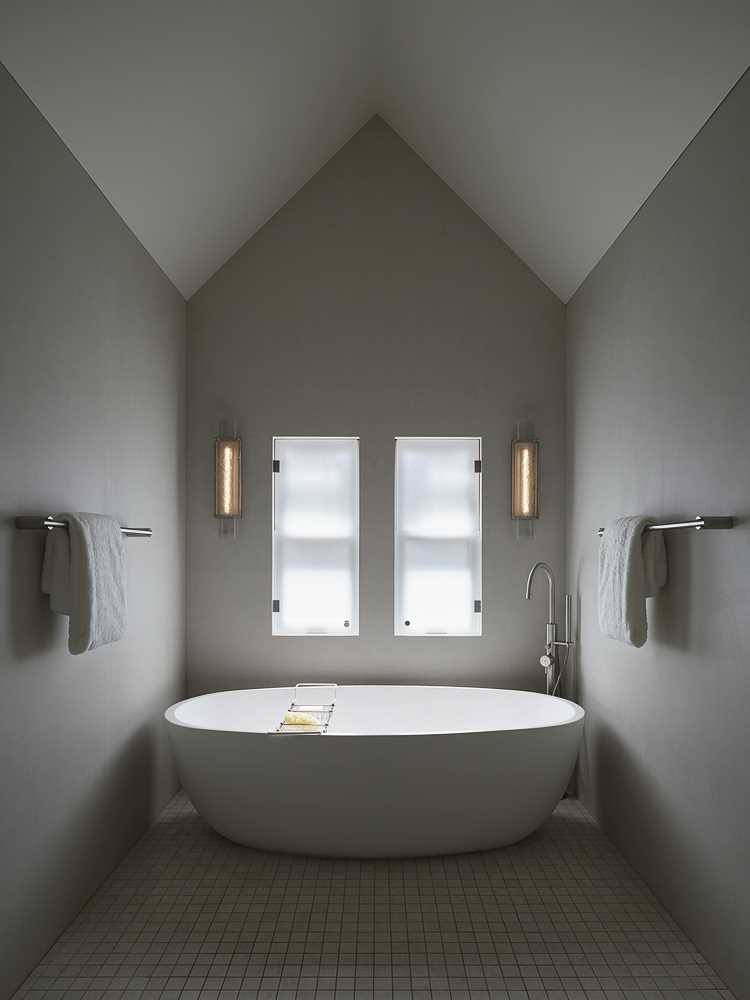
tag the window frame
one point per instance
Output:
(401, 631)
(345, 633)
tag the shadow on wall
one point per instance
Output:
(619, 778)
(695, 570)
(79, 851)
(671, 609)
(576, 670)
(33, 627)
(667, 614)
(570, 690)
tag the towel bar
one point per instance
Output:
(30, 523)
(699, 522)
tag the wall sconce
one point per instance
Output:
(524, 480)
(228, 477)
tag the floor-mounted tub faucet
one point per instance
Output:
(550, 660)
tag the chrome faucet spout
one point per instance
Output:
(551, 583)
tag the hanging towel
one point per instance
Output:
(84, 575)
(632, 567)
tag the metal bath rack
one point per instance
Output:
(320, 710)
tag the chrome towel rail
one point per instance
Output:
(31, 523)
(700, 522)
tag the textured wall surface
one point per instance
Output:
(658, 415)
(91, 410)
(374, 303)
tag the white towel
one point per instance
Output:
(632, 567)
(84, 575)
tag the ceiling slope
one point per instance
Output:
(197, 120)
(553, 119)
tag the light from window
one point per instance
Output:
(315, 536)
(438, 537)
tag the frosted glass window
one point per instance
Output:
(315, 536)
(438, 537)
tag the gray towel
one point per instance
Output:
(84, 575)
(632, 567)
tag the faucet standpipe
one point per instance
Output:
(549, 660)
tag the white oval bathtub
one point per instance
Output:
(401, 771)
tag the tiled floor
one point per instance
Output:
(190, 916)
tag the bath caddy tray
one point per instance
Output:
(320, 710)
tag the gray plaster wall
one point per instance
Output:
(91, 418)
(658, 366)
(375, 303)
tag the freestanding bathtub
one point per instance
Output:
(401, 771)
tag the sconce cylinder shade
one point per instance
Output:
(228, 473)
(524, 480)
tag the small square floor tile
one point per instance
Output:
(190, 916)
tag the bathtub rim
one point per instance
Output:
(579, 714)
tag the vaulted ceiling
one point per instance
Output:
(553, 119)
